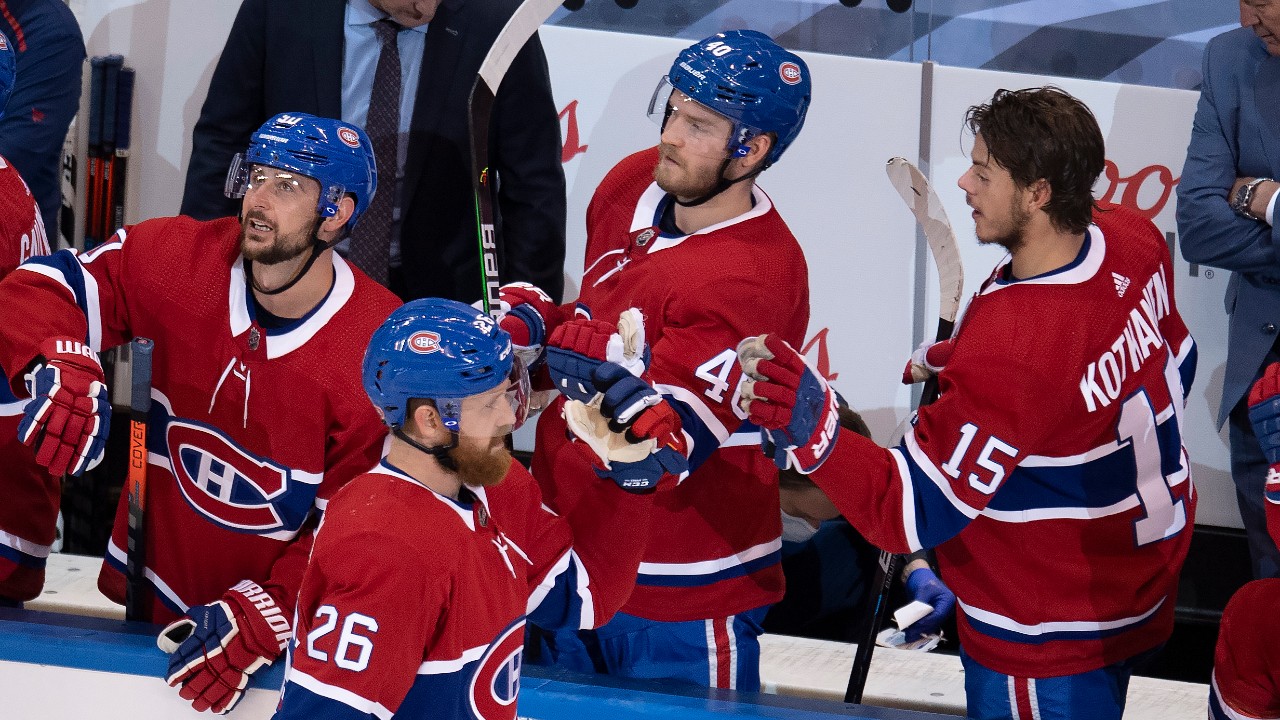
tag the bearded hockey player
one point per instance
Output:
(1050, 474)
(257, 413)
(426, 568)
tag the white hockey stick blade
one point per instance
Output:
(524, 22)
(919, 196)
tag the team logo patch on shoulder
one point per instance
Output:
(496, 682)
(790, 73)
(424, 342)
(349, 137)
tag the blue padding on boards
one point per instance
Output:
(88, 643)
(545, 694)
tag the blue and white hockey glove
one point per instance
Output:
(925, 586)
(794, 407)
(636, 466)
(579, 346)
(214, 650)
(67, 419)
(1264, 415)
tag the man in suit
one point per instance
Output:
(319, 56)
(1226, 208)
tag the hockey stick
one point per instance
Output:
(919, 196)
(140, 351)
(523, 24)
(93, 179)
(120, 167)
(110, 101)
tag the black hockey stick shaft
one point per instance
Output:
(93, 176)
(110, 97)
(916, 192)
(522, 25)
(124, 131)
(135, 603)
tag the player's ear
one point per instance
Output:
(758, 149)
(346, 206)
(424, 421)
(1039, 193)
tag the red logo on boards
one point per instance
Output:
(790, 73)
(424, 342)
(349, 137)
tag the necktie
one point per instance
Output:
(371, 240)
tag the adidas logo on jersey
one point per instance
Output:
(1122, 283)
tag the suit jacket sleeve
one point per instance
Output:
(233, 109)
(1211, 233)
(525, 136)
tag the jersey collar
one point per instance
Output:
(650, 205)
(282, 341)
(1080, 270)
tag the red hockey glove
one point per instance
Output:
(927, 360)
(794, 407)
(1264, 415)
(67, 419)
(214, 650)
(530, 317)
(578, 347)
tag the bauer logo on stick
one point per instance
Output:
(790, 73)
(349, 137)
(424, 342)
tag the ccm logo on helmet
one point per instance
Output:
(790, 73)
(349, 137)
(424, 342)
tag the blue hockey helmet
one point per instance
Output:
(8, 70)
(441, 350)
(336, 154)
(746, 77)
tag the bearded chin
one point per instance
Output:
(481, 466)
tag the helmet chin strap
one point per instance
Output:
(439, 452)
(722, 184)
(317, 246)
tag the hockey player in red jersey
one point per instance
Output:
(683, 233)
(30, 509)
(427, 567)
(251, 318)
(1050, 474)
(1246, 666)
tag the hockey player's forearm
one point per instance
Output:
(862, 480)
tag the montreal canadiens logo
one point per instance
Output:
(496, 682)
(790, 73)
(349, 137)
(232, 487)
(424, 342)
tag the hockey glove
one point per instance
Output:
(579, 346)
(794, 407)
(927, 361)
(635, 465)
(530, 317)
(67, 419)
(1264, 414)
(216, 647)
(924, 586)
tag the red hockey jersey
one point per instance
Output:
(716, 543)
(30, 509)
(1050, 474)
(251, 429)
(414, 604)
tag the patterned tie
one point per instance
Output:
(371, 240)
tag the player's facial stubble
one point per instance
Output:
(285, 247)
(481, 462)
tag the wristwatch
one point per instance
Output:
(1243, 197)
